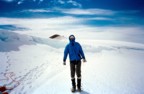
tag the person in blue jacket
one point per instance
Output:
(76, 53)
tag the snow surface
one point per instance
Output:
(112, 67)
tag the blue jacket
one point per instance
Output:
(74, 50)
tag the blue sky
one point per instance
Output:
(123, 18)
(103, 4)
(122, 9)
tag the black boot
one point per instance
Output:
(73, 85)
(79, 85)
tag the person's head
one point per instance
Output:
(72, 38)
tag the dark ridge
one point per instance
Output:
(54, 36)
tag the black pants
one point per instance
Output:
(75, 67)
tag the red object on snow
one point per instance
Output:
(2, 88)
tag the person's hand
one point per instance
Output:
(64, 63)
(84, 60)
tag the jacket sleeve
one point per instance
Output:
(81, 52)
(65, 53)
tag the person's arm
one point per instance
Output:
(65, 54)
(82, 54)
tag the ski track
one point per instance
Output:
(25, 80)
(29, 78)
(8, 63)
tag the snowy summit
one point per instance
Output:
(34, 34)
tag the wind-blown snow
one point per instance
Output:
(113, 67)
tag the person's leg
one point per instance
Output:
(72, 68)
(78, 71)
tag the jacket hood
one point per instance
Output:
(72, 41)
(70, 36)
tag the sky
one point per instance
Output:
(124, 17)
(104, 10)
(104, 4)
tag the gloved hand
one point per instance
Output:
(84, 60)
(64, 63)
